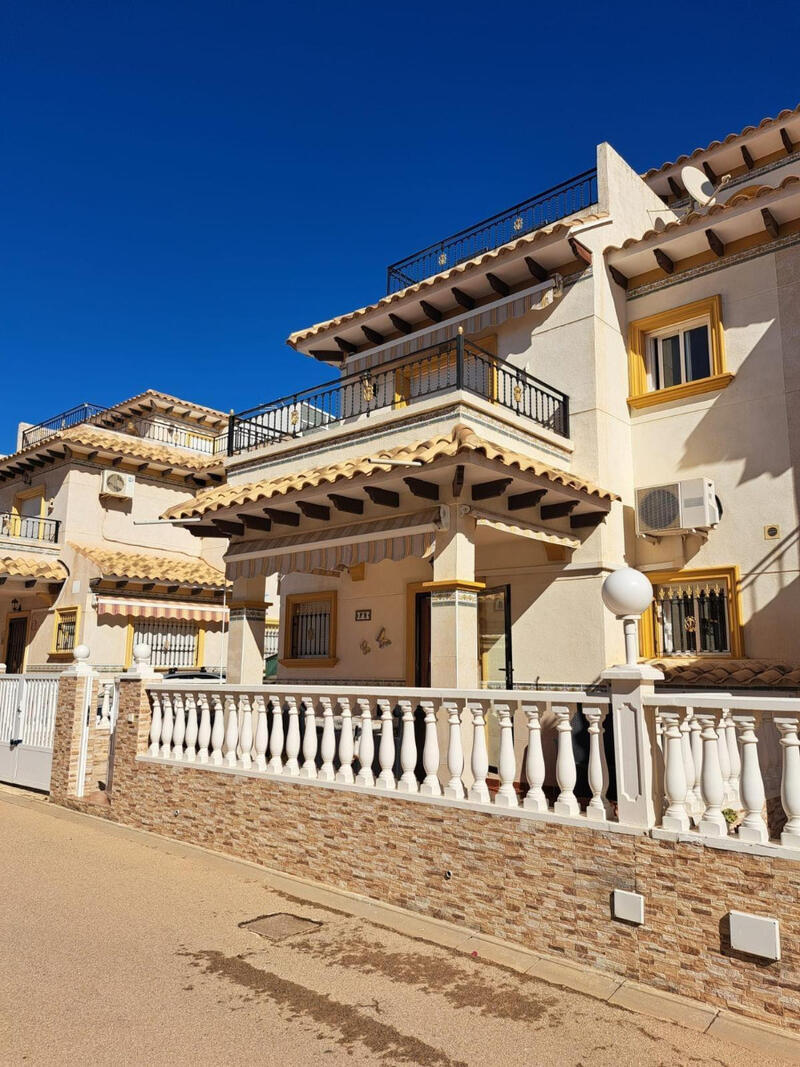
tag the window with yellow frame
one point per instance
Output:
(693, 614)
(65, 631)
(677, 354)
(27, 511)
(310, 634)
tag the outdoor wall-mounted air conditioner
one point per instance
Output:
(117, 484)
(676, 508)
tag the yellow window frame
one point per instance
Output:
(16, 511)
(640, 330)
(199, 651)
(290, 605)
(59, 616)
(729, 575)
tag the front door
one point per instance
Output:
(422, 640)
(15, 644)
(494, 637)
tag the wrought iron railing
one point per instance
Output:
(150, 429)
(562, 200)
(453, 365)
(29, 528)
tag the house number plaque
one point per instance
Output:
(364, 615)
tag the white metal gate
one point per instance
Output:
(27, 720)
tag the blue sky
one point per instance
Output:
(184, 184)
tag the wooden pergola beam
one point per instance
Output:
(314, 511)
(458, 481)
(349, 504)
(421, 488)
(525, 500)
(715, 244)
(372, 335)
(587, 520)
(540, 273)
(676, 189)
(462, 298)
(345, 346)
(749, 162)
(433, 313)
(233, 529)
(498, 284)
(770, 222)
(618, 277)
(709, 173)
(386, 498)
(558, 511)
(787, 141)
(489, 490)
(401, 324)
(580, 251)
(283, 518)
(255, 522)
(663, 260)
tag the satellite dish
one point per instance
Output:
(697, 185)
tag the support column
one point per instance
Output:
(454, 604)
(638, 792)
(248, 611)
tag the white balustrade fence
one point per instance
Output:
(479, 747)
(724, 755)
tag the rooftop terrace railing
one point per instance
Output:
(457, 365)
(562, 200)
(73, 417)
(29, 528)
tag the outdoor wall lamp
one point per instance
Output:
(16, 605)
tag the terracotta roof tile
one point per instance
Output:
(32, 566)
(787, 113)
(752, 192)
(461, 441)
(721, 674)
(563, 227)
(137, 566)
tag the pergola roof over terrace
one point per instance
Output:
(499, 272)
(395, 494)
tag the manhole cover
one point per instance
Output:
(280, 926)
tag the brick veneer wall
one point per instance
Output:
(539, 884)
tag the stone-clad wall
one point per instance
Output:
(543, 885)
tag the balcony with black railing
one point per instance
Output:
(575, 194)
(453, 366)
(29, 528)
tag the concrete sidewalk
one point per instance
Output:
(123, 947)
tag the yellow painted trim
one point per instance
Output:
(19, 615)
(129, 645)
(200, 648)
(16, 514)
(58, 616)
(640, 329)
(289, 604)
(647, 624)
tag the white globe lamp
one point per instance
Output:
(627, 593)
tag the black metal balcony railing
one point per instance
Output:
(562, 200)
(29, 528)
(164, 432)
(453, 365)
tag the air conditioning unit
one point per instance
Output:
(117, 484)
(677, 508)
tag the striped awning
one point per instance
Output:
(336, 548)
(520, 528)
(151, 609)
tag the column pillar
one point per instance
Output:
(248, 611)
(454, 603)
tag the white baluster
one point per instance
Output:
(598, 809)
(167, 724)
(724, 760)
(386, 747)
(696, 740)
(178, 728)
(688, 760)
(190, 739)
(431, 786)
(734, 759)
(366, 746)
(535, 800)
(408, 751)
(328, 746)
(506, 796)
(262, 733)
(105, 705)
(712, 821)
(346, 744)
(309, 768)
(217, 730)
(245, 733)
(155, 725)
(790, 781)
(479, 762)
(231, 732)
(292, 766)
(566, 770)
(676, 816)
(752, 827)
(455, 754)
(275, 765)
(204, 729)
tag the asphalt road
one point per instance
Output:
(119, 948)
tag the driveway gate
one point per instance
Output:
(27, 720)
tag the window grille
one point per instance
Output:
(271, 640)
(65, 631)
(692, 618)
(310, 629)
(173, 642)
